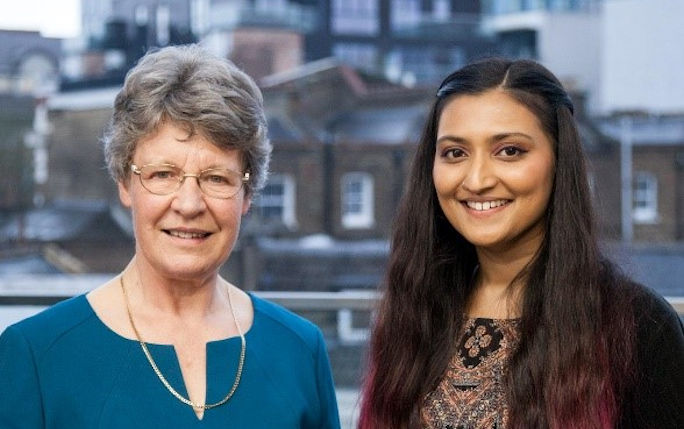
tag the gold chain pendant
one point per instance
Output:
(163, 379)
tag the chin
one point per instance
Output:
(189, 270)
(484, 240)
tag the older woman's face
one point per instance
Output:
(493, 170)
(186, 234)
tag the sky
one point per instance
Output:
(53, 18)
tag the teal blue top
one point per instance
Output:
(64, 368)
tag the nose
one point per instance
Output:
(188, 199)
(479, 175)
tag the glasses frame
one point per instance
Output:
(138, 171)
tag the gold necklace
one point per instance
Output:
(161, 377)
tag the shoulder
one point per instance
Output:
(659, 363)
(653, 314)
(42, 330)
(284, 324)
(659, 335)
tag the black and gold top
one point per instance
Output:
(471, 394)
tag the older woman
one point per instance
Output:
(168, 342)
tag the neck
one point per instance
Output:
(195, 298)
(498, 289)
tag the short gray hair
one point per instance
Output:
(189, 86)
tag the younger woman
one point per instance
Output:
(500, 311)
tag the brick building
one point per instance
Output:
(657, 146)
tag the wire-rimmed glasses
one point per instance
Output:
(165, 179)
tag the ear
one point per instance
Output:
(124, 194)
(246, 204)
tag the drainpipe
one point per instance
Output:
(626, 177)
(328, 182)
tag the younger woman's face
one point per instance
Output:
(493, 171)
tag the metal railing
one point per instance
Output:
(22, 296)
(45, 290)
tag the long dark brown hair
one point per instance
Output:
(573, 362)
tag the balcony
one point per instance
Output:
(428, 27)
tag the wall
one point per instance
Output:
(569, 45)
(643, 57)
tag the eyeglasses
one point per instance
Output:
(165, 179)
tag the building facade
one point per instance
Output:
(564, 35)
(417, 42)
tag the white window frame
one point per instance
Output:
(645, 197)
(363, 217)
(287, 200)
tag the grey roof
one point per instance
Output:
(280, 130)
(305, 70)
(388, 125)
(62, 221)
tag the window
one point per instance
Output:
(355, 16)
(645, 197)
(199, 16)
(441, 11)
(357, 200)
(277, 200)
(405, 14)
(141, 15)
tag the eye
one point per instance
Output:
(511, 151)
(161, 174)
(154, 172)
(216, 179)
(453, 153)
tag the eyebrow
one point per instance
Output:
(211, 167)
(493, 139)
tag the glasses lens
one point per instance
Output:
(160, 179)
(220, 183)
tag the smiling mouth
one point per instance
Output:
(486, 205)
(186, 234)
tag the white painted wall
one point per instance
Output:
(643, 56)
(569, 44)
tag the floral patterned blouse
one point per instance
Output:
(471, 394)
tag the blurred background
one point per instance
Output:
(347, 84)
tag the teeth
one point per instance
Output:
(487, 205)
(182, 234)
